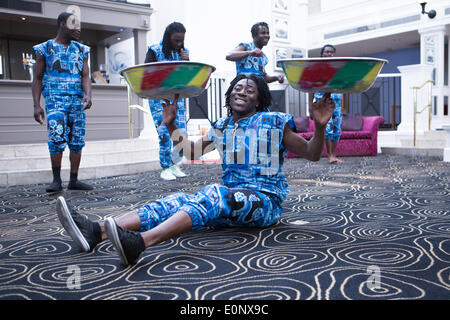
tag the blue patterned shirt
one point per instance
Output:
(336, 97)
(251, 65)
(252, 153)
(63, 67)
(160, 56)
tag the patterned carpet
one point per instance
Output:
(371, 228)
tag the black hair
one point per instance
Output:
(264, 96)
(255, 28)
(62, 18)
(172, 28)
(327, 45)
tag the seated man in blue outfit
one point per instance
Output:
(249, 57)
(252, 144)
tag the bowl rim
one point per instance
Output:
(334, 59)
(165, 63)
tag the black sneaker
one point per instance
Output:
(85, 233)
(78, 185)
(129, 244)
(55, 186)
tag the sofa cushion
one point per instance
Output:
(356, 135)
(352, 122)
(301, 123)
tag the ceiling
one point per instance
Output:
(382, 44)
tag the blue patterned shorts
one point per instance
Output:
(215, 206)
(66, 123)
(333, 128)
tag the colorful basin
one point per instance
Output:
(163, 80)
(332, 74)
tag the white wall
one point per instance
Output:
(214, 27)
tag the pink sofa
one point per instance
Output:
(352, 143)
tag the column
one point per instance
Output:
(414, 76)
(432, 47)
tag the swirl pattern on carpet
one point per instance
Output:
(370, 228)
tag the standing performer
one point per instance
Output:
(249, 57)
(171, 48)
(252, 144)
(333, 129)
(61, 75)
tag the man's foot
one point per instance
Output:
(129, 244)
(334, 160)
(167, 174)
(78, 185)
(85, 233)
(55, 186)
(177, 171)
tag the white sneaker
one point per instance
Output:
(167, 174)
(176, 171)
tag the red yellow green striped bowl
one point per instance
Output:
(163, 80)
(332, 74)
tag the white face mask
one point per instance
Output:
(73, 23)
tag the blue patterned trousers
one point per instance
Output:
(333, 128)
(168, 155)
(215, 206)
(66, 123)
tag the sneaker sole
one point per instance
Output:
(70, 226)
(113, 236)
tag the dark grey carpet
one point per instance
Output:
(371, 228)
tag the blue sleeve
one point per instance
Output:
(245, 45)
(41, 49)
(86, 52)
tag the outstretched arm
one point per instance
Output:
(191, 150)
(240, 53)
(311, 150)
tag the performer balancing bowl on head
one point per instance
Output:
(333, 129)
(252, 144)
(61, 75)
(249, 57)
(171, 48)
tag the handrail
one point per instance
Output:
(429, 105)
(130, 108)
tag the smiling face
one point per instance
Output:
(262, 37)
(244, 98)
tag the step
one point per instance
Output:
(423, 142)
(41, 149)
(414, 151)
(24, 177)
(30, 163)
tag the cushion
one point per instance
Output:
(352, 122)
(356, 135)
(301, 123)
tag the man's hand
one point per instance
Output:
(87, 102)
(280, 78)
(256, 53)
(322, 110)
(170, 111)
(39, 114)
(184, 55)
